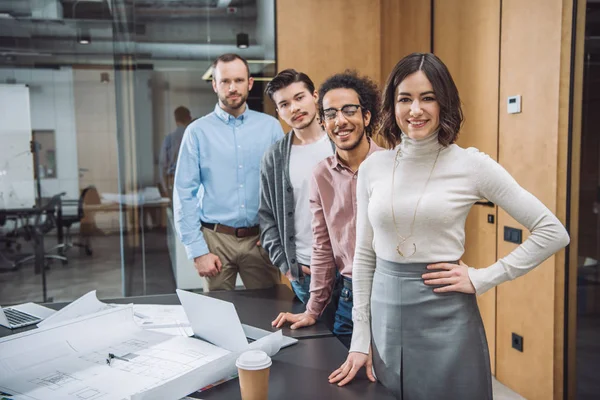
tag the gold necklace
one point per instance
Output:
(402, 239)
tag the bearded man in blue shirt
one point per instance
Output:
(221, 153)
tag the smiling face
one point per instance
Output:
(347, 129)
(416, 108)
(296, 105)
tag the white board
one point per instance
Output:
(17, 185)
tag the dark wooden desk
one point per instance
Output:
(300, 372)
(254, 307)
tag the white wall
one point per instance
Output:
(144, 128)
(96, 117)
(52, 108)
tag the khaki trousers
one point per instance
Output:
(243, 256)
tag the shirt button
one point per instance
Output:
(292, 238)
(354, 176)
(289, 189)
(242, 206)
(290, 214)
(242, 185)
(240, 167)
(293, 260)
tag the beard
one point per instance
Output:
(305, 124)
(352, 145)
(232, 103)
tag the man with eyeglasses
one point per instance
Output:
(349, 109)
(285, 172)
(221, 153)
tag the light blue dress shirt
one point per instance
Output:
(221, 154)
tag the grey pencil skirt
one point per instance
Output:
(426, 345)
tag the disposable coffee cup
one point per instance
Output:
(253, 369)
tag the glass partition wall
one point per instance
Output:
(103, 79)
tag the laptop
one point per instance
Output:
(217, 322)
(23, 315)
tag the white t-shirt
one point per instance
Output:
(303, 159)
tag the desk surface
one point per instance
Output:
(300, 372)
(255, 307)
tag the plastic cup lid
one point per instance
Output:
(253, 360)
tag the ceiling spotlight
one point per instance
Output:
(84, 37)
(243, 41)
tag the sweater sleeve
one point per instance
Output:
(547, 237)
(363, 267)
(269, 233)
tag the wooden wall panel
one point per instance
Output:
(467, 40)
(571, 321)
(321, 38)
(405, 29)
(480, 252)
(531, 64)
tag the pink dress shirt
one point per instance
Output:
(333, 204)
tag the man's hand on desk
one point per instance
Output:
(297, 320)
(208, 265)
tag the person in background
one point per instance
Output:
(221, 152)
(167, 160)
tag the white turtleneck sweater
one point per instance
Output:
(461, 177)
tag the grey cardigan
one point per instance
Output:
(276, 209)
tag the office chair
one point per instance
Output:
(6, 264)
(67, 221)
(45, 221)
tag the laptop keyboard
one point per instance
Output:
(19, 319)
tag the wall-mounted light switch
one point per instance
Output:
(514, 104)
(513, 235)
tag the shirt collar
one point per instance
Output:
(227, 118)
(337, 164)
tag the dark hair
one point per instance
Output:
(368, 94)
(229, 57)
(446, 93)
(285, 78)
(182, 114)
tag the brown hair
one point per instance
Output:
(451, 115)
(285, 78)
(182, 114)
(229, 57)
(365, 88)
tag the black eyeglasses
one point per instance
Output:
(348, 110)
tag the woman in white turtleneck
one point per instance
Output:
(416, 321)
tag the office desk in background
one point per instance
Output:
(298, 372)
(156, 210)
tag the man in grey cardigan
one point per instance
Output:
(284, 213)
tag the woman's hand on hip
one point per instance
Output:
(452, 277)
(351, 366)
